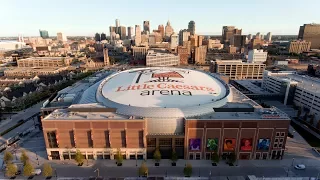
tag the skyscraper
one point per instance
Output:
(130, 32)
(310, 33)
(161, 30)
(228, 32)
(258, 35)
(174, 41)
(103, 36)
(269, 37)
(146, 26)
(122, 32)
(152, 39)
(192, 27)
(238, 40)
(168, 30)
(249, 37)
(183, 36)
(137, 38)
(61, 37)
(112, 32)
(44, 34)
(117, 22)
(97, 37)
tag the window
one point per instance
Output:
(280, 145)
(208, 156)
(198, 156)
(277, 134)
(191, 156)
(151, 142)
(179, 142)
(264, 155)
(281, 140)
(52, 139)
(90, 141)
(123, 138)
(165, 142)
(275, 145)
(73, 143)
(282, 134)
(276, 140)
(258, 155)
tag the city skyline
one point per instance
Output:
(209, 18)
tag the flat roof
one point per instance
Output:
(250, 86)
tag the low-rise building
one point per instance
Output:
(299, 46)
(162, 59)
(44, 62)
(231, 49)
(236, 69)
(214, 44)
(29, 71)
(257, 56)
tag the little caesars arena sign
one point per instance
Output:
(169, 83)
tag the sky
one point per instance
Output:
(86, 17)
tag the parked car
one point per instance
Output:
(300, 166)
(37, 172)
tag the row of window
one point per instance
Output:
(165, 142)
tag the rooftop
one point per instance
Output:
(252, 87)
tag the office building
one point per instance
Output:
(269, 37)
(194, 41)
(144, 39)
(231, 49)
(130, 32)
(152, 39)
(299, 46)
(185, 112)
(187, 44)
(257, 56)
(106, 59)
(200, 54)
(237, 70)
(117, 23)
(214, 44)
(183, 54)
(146, 26)
(238, 41)
(162, 59)
(192, 28)
(200, 39)
(228, 32)
(250, 36)
(61, 37)
(310, 33)
(44, 34)
(158, 37)
(161, 30)
(137, 38)
(255, 43)
(97, 37)
(103, 36)
(174, 41)
(258, 35)
(168, 30)
(139, 53)
(183, 36)
(44, 62)
(122, 31)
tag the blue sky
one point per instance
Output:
(85, 17)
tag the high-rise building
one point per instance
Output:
(200, 39)
(130, 32)
(113, 32)
(139, 53)
(122, 32)
(194, 41)
(61, 37)
(103, 36)
(238, 40)
(106, 57)
(152, 39)
(187, 44)
(158, 37)
(269, 37)
(310, 33)
(161, 30)
(184, 55)
(200, 55)
(183, 36)
(144, 39)
(44, 34)
(174, 41)
(299, 46)
(228, 32)
(192, 27)
(137, 38)
(250, 36)
(258, 35)
(257, 56)
(146, 26)
(168, 30)
(97, 37)
(117, 23)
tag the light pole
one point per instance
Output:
(292, 161)
(98, 172)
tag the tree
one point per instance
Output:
(187, 170)
(119, 157)
(11, 170)
(8, 157)
(174, 156)
(79, 157)
(143, 170)
(215, 157)
(47, 170)
(24, 157)
(28, 169)
(157, 156)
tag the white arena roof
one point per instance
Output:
(162, 92)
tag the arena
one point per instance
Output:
(140, 110)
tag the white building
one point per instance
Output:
(303, 91)
(162, 59)
(174, 41)
(11, 45)
(214, 44)
(269, 37)
(61, 37)
(257, 56)
(137, 38)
